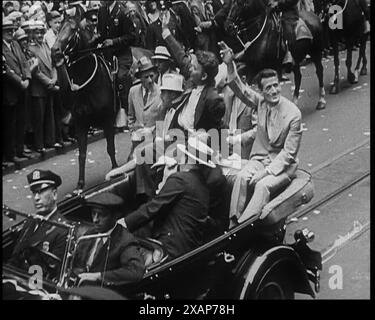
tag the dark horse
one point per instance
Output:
(87, 78)
(349, 29)
(259, 28)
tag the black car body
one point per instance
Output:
(249, 261)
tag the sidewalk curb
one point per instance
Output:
(50, 153)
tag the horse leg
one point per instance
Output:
(336, 82)
(109, 133)
(349, 56)
(297, 82)
(82, 147)
(362, 52)
(317, 58)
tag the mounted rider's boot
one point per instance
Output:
(288, 61)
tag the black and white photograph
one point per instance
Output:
(208, 151)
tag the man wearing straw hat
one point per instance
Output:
(164, 62)
(43, 86)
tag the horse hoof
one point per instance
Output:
(334, 89)
(321, 105)
(351, 78)
(363, 72)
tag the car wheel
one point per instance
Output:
(274, 286)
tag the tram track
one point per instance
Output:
(310, 207)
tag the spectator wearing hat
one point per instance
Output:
(117, 35)
(15, 17)
(23, 39)
(43, 86)
(144, 98)
(115, 259)
(17, 80)
(204, 14)
(164, 62)
(140, 24)
(36, 237)
(154, 30)
(54, 25)
(90, 30)
(28, 26)
(180, 211)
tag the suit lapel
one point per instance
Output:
(200, 106)
(9, 55)
(43, 56)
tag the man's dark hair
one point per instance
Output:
(265, 73)
(209, 63)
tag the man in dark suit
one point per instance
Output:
(43, 87)
(42, 244)
(154, 30)
(113, 259)
(200, 106)
(179, 211)
(16, 81)
(117, 33)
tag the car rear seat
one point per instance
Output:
(299, 191)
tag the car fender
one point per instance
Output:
(252, 268)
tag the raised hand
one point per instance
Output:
(226, 53)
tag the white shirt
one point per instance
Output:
(187, 115)
(90, 260)
(50, 38)
(8, 45)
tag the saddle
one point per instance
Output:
(302, 31)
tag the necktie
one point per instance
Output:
(145, 98)
(268, 116)
(97, 246)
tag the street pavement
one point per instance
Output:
(329, 133)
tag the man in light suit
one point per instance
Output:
(144, 98)
(43, 86)
(273, 159)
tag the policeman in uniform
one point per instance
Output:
(42, 244)
(117, 33)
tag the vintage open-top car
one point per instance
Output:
(248, 261)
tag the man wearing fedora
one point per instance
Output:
(17, 80)
(144, 98)
(43, 87)
(36, 237)
(164, 62)
(179, 211)
(113, 259)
